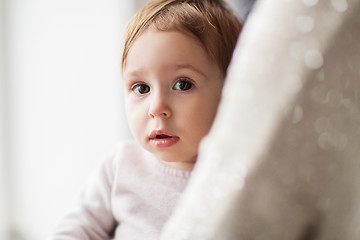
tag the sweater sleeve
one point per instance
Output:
(91, 218)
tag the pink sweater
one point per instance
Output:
(130, 198)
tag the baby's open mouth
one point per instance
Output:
(162, 136)
(162, 139)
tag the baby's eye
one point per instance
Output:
(183, 85)
(140, 88)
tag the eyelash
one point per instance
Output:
(186, 81)
(135, 88)
(189, 85)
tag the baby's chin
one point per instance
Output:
(183, 166)
(176, 162)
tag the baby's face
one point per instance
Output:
(172, 90)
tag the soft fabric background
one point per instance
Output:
(282, 159)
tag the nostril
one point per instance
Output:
(161, 115)
(159, 111)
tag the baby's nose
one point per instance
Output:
(159, 107)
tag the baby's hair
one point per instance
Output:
(211, 21)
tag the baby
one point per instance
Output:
(174, 62)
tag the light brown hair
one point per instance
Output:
(211, 21)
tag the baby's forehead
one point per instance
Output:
(195, 42)
(176, 48)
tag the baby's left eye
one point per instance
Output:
(183, 85)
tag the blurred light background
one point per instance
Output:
(61, 104)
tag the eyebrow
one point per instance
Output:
(189, 66)
(137, 72)
(132, 73)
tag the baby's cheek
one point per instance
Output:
(133, 121)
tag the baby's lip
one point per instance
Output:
(161, 134)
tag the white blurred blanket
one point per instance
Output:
(282, 160)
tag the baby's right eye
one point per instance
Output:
(140, 88)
